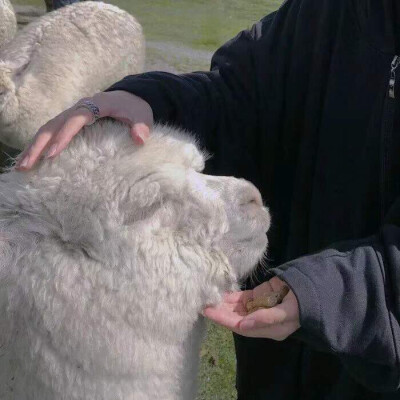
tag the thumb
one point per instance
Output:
(140, 132)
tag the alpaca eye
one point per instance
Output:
(249, 202)
(254, 201)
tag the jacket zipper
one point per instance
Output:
(392, 80)
(386, 138)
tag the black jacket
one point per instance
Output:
(302, 106)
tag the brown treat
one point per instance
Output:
(267, 300)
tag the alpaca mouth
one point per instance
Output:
(259, 237)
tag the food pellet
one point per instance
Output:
(267, 300)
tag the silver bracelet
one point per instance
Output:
(89, 105)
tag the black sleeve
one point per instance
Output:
(222, 100)
(349, 299)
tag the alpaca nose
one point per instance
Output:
(252, 195)
(256, 197)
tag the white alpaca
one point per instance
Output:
(8, 22)
(61, 57)
(108, 254)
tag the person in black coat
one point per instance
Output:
(306, 105)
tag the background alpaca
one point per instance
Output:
(8, 22)
(61, 57)
(108, 255)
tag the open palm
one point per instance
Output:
(276, 323)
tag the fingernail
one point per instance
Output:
(52, 150)
(247, 324)
(24, 162)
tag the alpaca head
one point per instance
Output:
(103, 187)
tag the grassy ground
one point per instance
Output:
(181, 36)
(217, 367)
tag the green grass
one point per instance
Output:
(198, 25)
(201, 24)
(217, 368)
